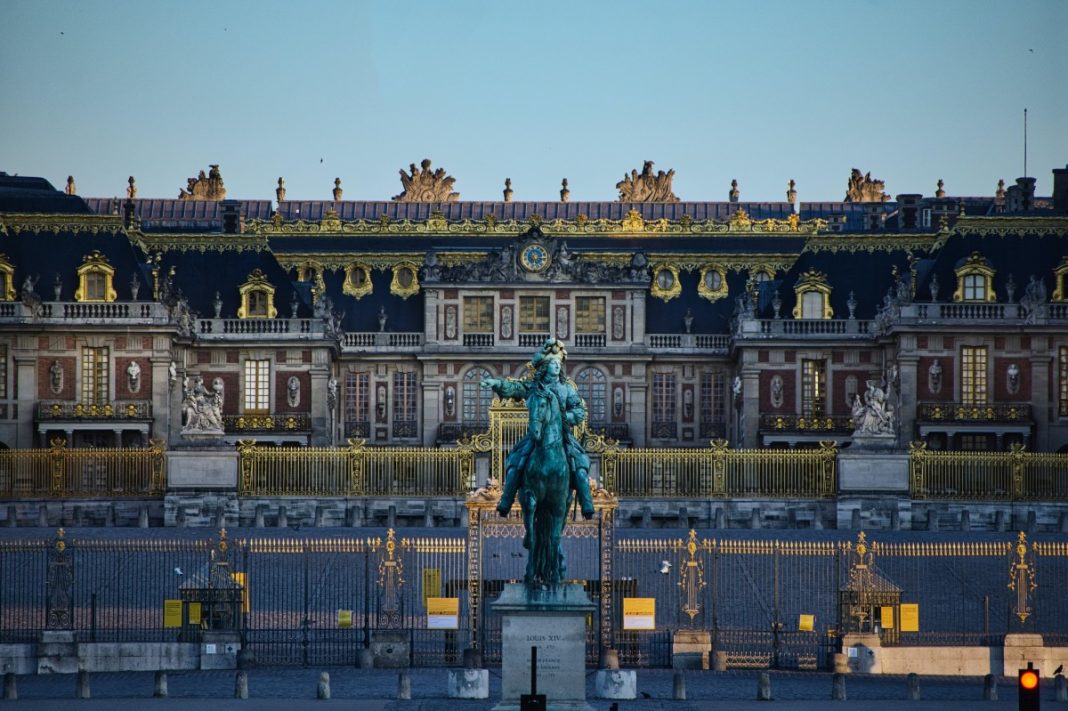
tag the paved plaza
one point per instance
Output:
(372, 690)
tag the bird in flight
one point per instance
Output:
(178, 571)
(665, 567)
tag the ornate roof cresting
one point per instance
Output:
(646, 187)
(863, 188)
(205, 187)
(426, 186)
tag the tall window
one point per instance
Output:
(96, 286)
(974, 287)
(257, 304)
(3, 371)
(813, 387)
(664, 423)
(533, 314)
(358, 404)
(95, 375)
(257, 386)
(476, 399)
(713, 403)
(404, 404)
(478, 314)
(1063, 411)
(592, 388)
(812, 304)
(973, 375)
(589, 314)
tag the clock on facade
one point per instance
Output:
(534, 257)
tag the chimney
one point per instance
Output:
(908, 209)
(128, 213)
(1021, 197)
(232, 219)
(1060, 188)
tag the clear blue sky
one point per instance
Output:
(911, 90)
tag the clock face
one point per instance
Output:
(534, 258)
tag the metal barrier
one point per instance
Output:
(1016, 475)
(355, 470)
(58, 472)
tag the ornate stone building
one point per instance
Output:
(309, 322)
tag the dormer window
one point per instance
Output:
(1060, 281)
(257, 297)
(357, 280)
(7, 279)
(665, 284)
(975, 280)
(95, 278)
(813, 296)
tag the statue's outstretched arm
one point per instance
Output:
(506, 388)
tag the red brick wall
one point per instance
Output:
(122, 381)
(789, 391)
(1001, 380)
(44, 378)
(923, 392)
(281, 391)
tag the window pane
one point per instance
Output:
(476, 399)
(95, 375)
(404, 404)
(478, 314)
(1064, 381)
(973, 375)
(533, 314)
(257, 386)
(592, 388)
(589, 314)
(663, 397)
(357, 398)
(812, 304)
(3, 370)
(813, 386)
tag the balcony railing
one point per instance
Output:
(590, 340)
(478, 340)
(133, 410)
(144, 312)
(700, 341)
(359, 429)
(1008, 476)
(291, 328)
(961, 412)
(816, 424)
(382, 339)
(531, 340)
(66, 473)
(805, 328)
(241, 424)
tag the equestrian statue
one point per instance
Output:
(548, 468)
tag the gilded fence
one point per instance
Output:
(59, 472)
(1016, 475)
(720, 471)
(355, 470)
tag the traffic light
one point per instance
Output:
(1027, 684)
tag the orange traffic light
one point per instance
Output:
(1027, 687)
(1028, 680)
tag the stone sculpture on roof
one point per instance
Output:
(862, 188)
(205, 187)
(425, 186)
(646, 187)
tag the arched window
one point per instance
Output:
(975, 279)
(476, 400)
(813, 296)
(95, 278)
(257, 297)
(592, 387)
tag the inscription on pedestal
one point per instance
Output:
(561, 643)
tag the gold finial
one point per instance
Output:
(131, 188)
(71, 189)
(337, 190)
(280, 191)
(734, 193)
(507, 189)
(939, 192)
(565, 194)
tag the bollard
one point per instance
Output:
(283, 520)
(109, 516)
(990, 688)
(854, 521)
(1061, 688)
(684, 518)
(428, 518)
(838, 692)
(895, 519)
(42, 516)
(965, 520)
(241, 685)
(179, 517)
(365, 658)
(1064, 521)
(257, 522)
(142, 517)
(320, 514)
(764, 686)
(404, 686)
(678, 688)
(609, 659)
(159, 688)
(322, 690)
(11, 691)
(12, 518)
(82, 685)
(754, 519)
(719, 661)
(841, 663)
(721, 518)
(913, 681)
(391, 516)
(647, 517)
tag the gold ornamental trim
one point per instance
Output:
(178, 242)
(7, 279)
(665, 285)
(975, 265)
(405, 281)
(95, 265)
(870, 243)
(16, 223)
(1010, 226)
(712, 283)
(357, 280)
(257, 283)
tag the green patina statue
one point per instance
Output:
(548, 466)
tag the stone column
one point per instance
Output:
(430, 316)
(1040, 407)
(637, 316)
(907, 390)
(750, 407)
(321, 433)
(26, 378)
(431, 412)
(636, 410)
(161, 399)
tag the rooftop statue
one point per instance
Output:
(862, 188)
(646, 187)
(205, 187)
(548, 466)
(425, 186)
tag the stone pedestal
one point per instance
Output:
(616, 684)
(690, 648)
(862, 652)
(554, 621)
(391, 649)
(469, 683)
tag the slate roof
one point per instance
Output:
(25, 194)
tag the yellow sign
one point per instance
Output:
(443, 613)
(242, 580)
(431, 583)
(194, 613)
(910, 617)
(886, 617)
(344, 618)
(806, 623)
(172, 613)
(639, 613)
